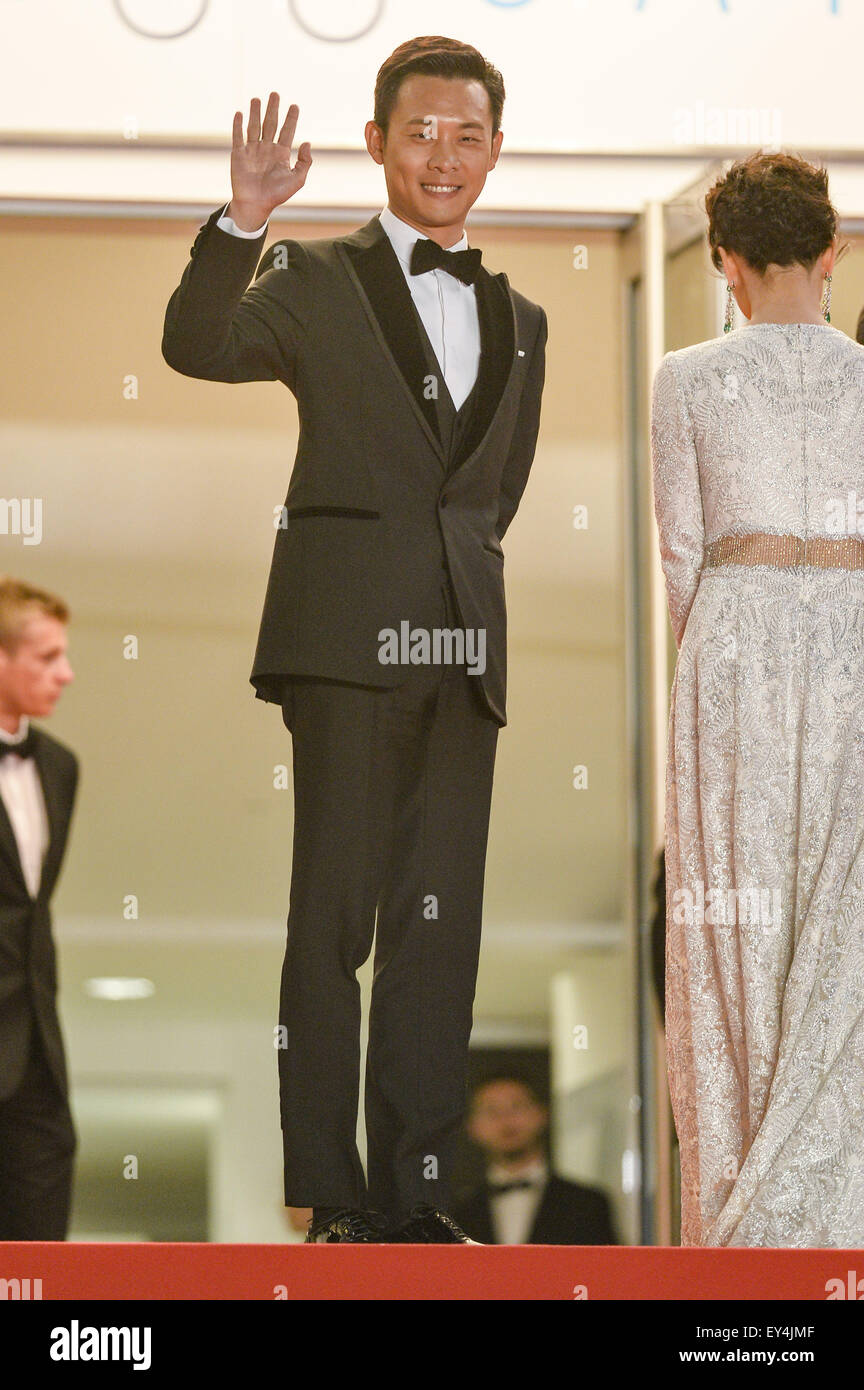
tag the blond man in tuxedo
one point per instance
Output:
(38, 778)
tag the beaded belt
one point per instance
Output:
(760, 548)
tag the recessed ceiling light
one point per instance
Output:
(118, 987)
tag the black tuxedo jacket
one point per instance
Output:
(568, 1214)
(28, 972)
(375, 507)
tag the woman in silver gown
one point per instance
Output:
(758, 459)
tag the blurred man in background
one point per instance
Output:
(38, 778)
(522, 1202)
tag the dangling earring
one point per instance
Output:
(826, 300)
(730, 307)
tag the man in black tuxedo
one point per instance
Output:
(521, 1201)
(418, 376)
(38, 777)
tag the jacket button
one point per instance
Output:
(443, 501)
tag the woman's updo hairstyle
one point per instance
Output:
(772, 209)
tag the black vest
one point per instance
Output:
(453, 424)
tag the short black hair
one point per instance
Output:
(436, 57)
(494, 1077)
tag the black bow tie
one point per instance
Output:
(25, 749)
(497, 1189)
(427, 255)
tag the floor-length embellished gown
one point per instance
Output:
(758, 460)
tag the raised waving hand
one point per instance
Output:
(262, 175)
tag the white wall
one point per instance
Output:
(623, 75)
(607, 103)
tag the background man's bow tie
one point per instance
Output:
(25, 749)
(497, 1189)
(427, 255)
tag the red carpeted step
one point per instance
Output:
(192, 1271)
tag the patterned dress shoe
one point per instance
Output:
(349, 1226)
(428, 1226)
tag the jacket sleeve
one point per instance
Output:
(217, 329)
(677, 495)
(524, 442)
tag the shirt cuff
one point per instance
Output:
(227, 224)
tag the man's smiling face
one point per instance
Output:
(437, 153)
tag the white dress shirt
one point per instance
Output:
(21, 790)
(447, 308)
(514, 1213)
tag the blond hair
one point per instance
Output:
(18, 603)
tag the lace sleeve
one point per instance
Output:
(677, 495)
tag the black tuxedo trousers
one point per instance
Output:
(392, 793)
(37, 1152)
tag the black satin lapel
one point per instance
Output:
(543, 1225)
(383, 281)
(497, 347)
(9, 845)
(58, 814)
